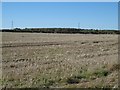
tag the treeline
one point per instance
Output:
(62, 30)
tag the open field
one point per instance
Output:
(59, 60)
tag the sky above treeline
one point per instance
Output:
(90, 15)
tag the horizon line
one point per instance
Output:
(58, 27)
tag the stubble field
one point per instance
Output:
(59, 60)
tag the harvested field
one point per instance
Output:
(59, 60)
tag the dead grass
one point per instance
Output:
(82, 61)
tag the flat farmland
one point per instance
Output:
(59, 60)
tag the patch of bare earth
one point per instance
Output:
(59, 60)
